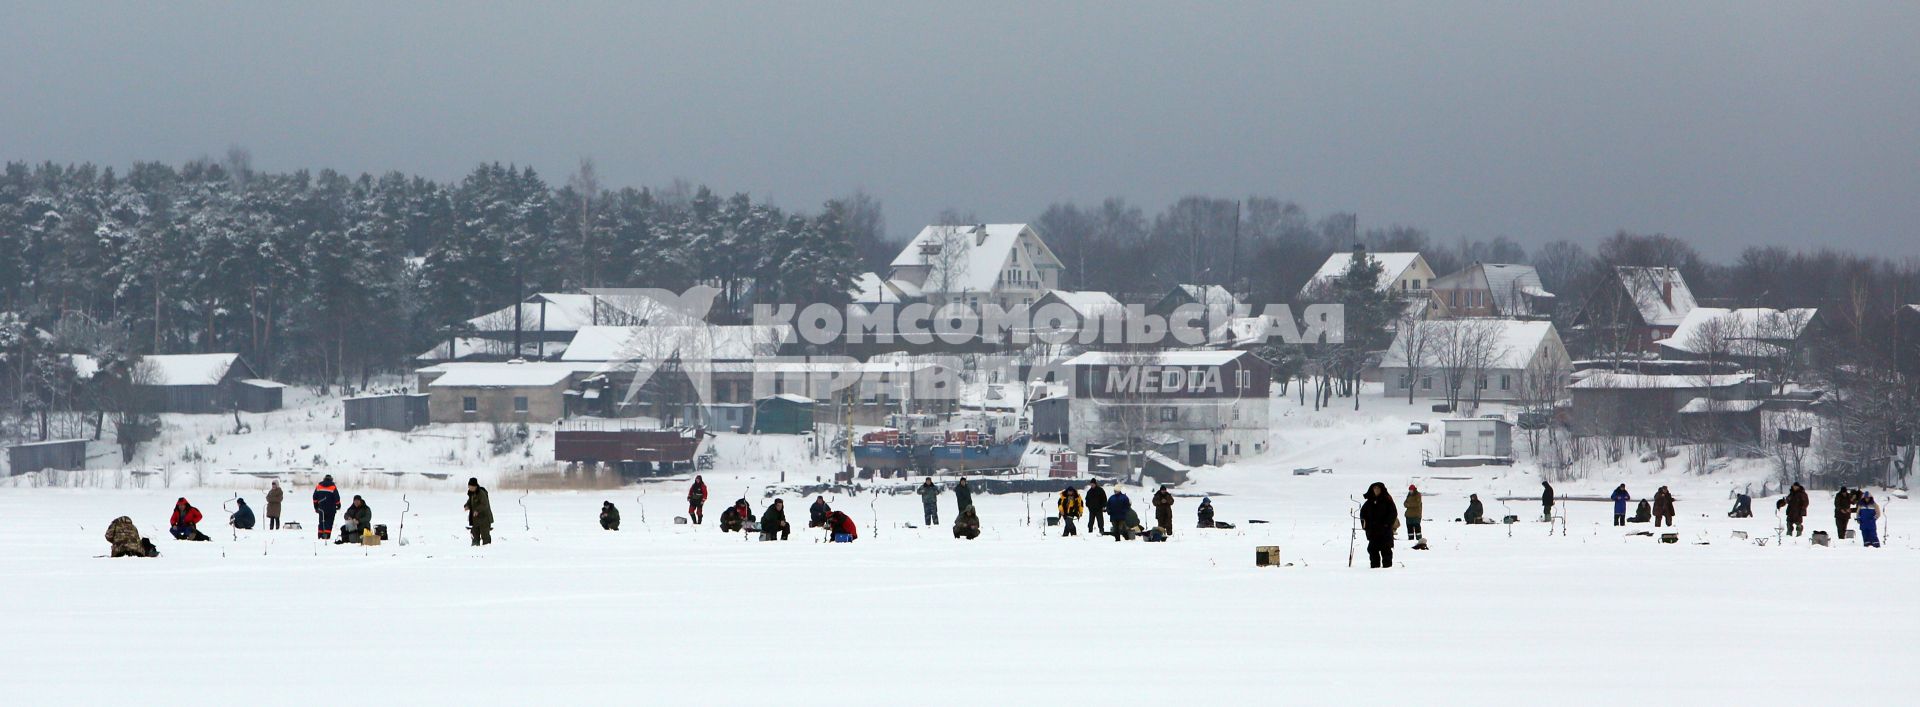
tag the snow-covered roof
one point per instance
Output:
(1698, 406)
(465, 347)
(263, 383)
(988, 248)
(870, 288)
(1745, 331)
(1209, 295)
(1660, 293)
(790, 397)
(1514, 343)
(618, 343)
(187, 369)
(1166, 461)
(1514, 288)
(563, 312)
(1610, 380)
(1088, 304)
(84, 366)
(1156, 358)
(1393, 265)
(504, 375)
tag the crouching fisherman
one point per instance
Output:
(967, 525)
(359, 520)
(126, 540)
(841, 528)
(609, 516)
(242, 518)
(773, 523)
(184, 524)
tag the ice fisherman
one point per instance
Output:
(184, 523)
(242, 517)
(1620, 499)
(1414, 507)
(1070, 507)
(326, 502)
(609, 516)
(930, 501)
(697, 500)
(1096, 502)
(773, 522)
(1380, 520)
(1869, 520)
(1119, 508)
(479, 513)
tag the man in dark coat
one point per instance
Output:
(1476, 513)
(1842, 510)
(609, 516)
(1163, 509)
(243, 517)
(697, 500)
(963, 494)
(1206, 513)
(1663, 507)
(274, 497)
(817, 513)
(326, 502)
(1096, 499)
(1379, 518)
(967, 525)
(1546, 501)
(1119, 507)
(359, 522)
(930, 502)
(479, 513)
(1796, 504)
(1620, 499)
(773, 523)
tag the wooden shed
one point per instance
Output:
(52, 454)
(204, 383)
(783, 414)
(399, 412)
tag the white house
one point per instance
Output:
(1406, 272)
(1006, 264)
(1505, 358)
(1206, 407)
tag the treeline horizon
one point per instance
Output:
(320, 276)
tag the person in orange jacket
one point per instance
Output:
(326, 502)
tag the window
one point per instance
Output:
(520, 404)
(1236, 412)
(1426, 382)
(1244, 377)
(1506, 381)
(1483, 382)
(1403, 380)
(1236, 449)
(470, 406)
(1169, 414)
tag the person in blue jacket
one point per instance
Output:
(243, 518)
(1118, 507)
(1620, 499)
(1869, 520)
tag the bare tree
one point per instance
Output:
(1414, 344)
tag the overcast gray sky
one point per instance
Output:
(1727, 124)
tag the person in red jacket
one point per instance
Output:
(185, 521)
(697, 500)
(842, 527)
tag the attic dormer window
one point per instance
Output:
(930, 248)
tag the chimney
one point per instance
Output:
(979, 235)
(1666, 291)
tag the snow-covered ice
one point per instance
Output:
(659, 613)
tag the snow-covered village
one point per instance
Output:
(452, 416)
